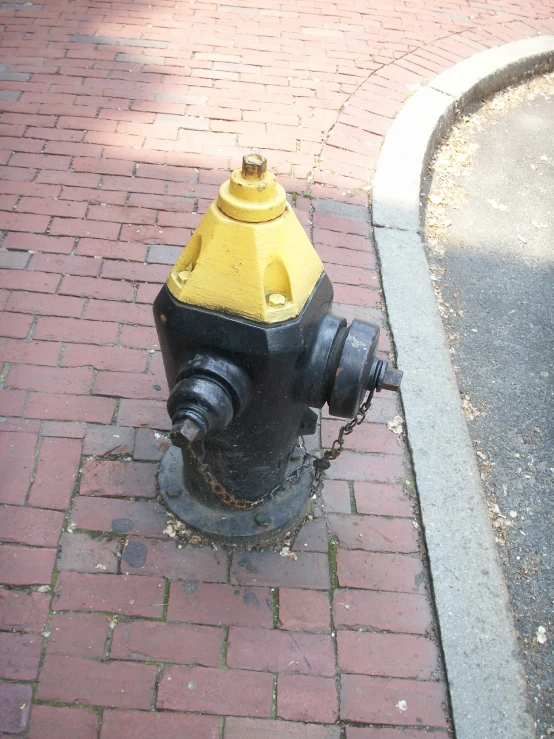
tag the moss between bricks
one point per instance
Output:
(332, 555)
(275, 608)
(224, 646)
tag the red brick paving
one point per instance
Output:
(111, 684)
(19, 656)
(24, 611)
(306, 698)
(131, 724)
(276, 650)
(48, 722)
(78, 635)
(161, 642)
(118, 122)
(216, 691)
(304, 610)
(220, 605)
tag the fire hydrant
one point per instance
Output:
(250, 347)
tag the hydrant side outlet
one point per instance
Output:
(250, 346)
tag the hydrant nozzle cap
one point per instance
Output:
(252, 195)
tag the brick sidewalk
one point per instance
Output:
(120, 120)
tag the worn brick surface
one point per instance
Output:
(23, 611)
(63, 429)
(106, 440)
(150, 446)
(17, 451)
(15, 705)
(20, 425)
(112, 684)
(395, 655)
(312, 537)
(118, 478)
(78, 635)
(69, 407)
(375, 700)
(48, 305)
(125, 595)
(304, 610)
(142, 518)
(155, 557)
(382, 500)
(131, 724)
(49, 379)
(221, 605)
(215, 691)
(371, 437)
(378, 571)
(48, 722)
(19, 656)
(374, 533)
(336, 496)
(384, 468)
(12, 401)
(56, 473)
(180, 643)
(75, 330)
(15, 326)
(26, 565)
(359, 733)
(308, 570)
(37, 352)
(244, 728)
(306, 698)
(30, 526)
(83, 553)
(143, 414)
(386, 611)
(280, 651)
(139, 337)
(117, 359)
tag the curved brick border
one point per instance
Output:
(352, 145)
(487, 685)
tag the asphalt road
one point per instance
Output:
(498, 296)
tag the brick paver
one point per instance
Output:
(119, 120)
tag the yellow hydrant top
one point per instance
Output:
(252, 194)
(249, 256)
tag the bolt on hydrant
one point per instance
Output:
(250, 347)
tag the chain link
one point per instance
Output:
(217, 488)
(319, 464)
(323, 463)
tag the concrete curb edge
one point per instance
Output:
(485, 677)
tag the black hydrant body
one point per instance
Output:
(243, 391)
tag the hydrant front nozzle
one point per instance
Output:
(190, 430)
(210, 391)
(188, 427)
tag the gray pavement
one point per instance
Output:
(498, 293)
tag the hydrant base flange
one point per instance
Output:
(262, 525)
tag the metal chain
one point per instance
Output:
(217, 488)
(319, 464)
(323, 463)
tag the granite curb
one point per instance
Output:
(485, 677)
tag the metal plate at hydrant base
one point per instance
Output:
(262, 525)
